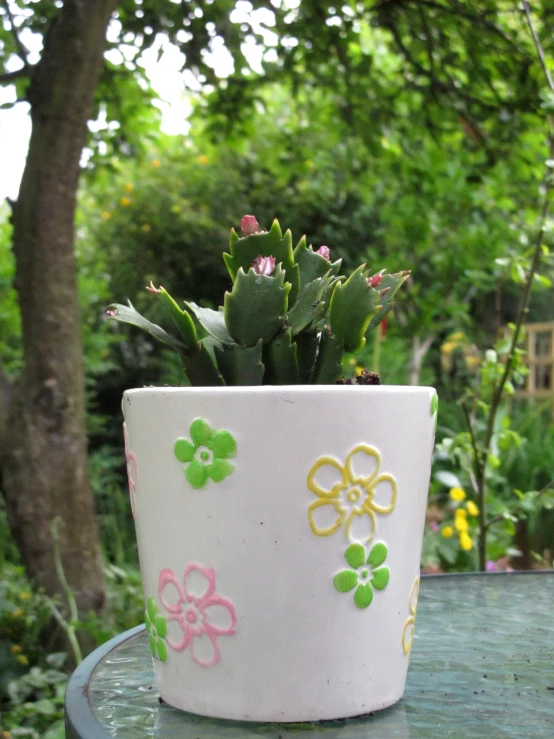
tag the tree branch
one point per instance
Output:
(8, 77)
(21, 50)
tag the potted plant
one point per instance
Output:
(279, 510)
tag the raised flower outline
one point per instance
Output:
(407, 641)
(434, 411)
(156, 626)
(365, 573)
(191, 612)
(353, 496)
(206, 454)
(132, 478)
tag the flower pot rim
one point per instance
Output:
(290, 389)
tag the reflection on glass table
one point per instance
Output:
(482, 665)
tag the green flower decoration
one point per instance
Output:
(156, 626)
(365, 574)
(434, 409)
(207, 454)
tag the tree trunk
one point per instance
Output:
(43, 455)
(419, 351)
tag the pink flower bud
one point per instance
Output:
(264, 265)
(374, 281)
(152, 289)
(325, 252)
(249, 225)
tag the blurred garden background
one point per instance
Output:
(409, 134)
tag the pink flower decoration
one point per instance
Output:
(249, 225)
(191, 611)
(264, 265)
(325, 252)
(132, 477)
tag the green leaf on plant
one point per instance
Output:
(213, 321)
(267, 244)
(280, 361)
(128, 314)
(303, 311)
(311, 264)
(353, 305)
(256, 307)
(241, 365)
(328, 365)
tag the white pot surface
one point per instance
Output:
(279, 543)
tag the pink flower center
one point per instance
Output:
(191, 616)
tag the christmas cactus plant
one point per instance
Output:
(288, 319)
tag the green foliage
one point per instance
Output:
(264, 310)
(33, 677)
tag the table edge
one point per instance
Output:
(77, 710)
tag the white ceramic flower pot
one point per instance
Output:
(279, 533)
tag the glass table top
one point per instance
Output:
(482, 665)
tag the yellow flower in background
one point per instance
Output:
(17, 613)
(466, 542)
(461, 524)
(461, 513)
(129, 187)
(125, 201)
(457, 336)
(16, 649)
(146, 227)
(22, 659)
(472, 508)
(106, 215)
(359, 370)
(202, 159)
(156, 163)
(447, 532)
(457, 494)
(25, 596)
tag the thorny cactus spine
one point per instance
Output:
(288, 319)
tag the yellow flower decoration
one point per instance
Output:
(466, 542)
(457, 494)
(352, 499)
(447, 532)
(409, 626)
(472, 508)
